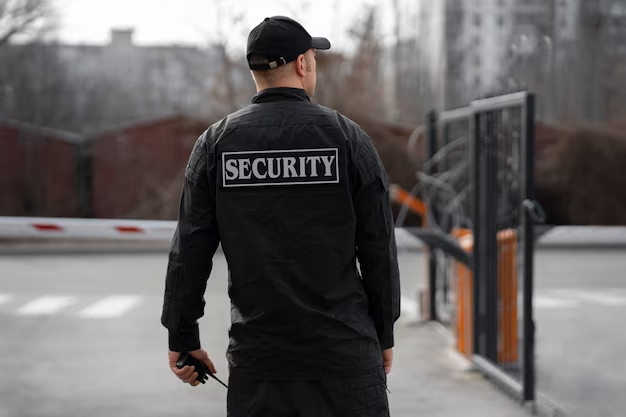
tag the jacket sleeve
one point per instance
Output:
(375, 239)
(191, 254)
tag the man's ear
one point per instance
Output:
(301, 65)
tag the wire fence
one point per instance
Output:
(477, 184)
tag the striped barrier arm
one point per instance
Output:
(163, 230)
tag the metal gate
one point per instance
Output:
(478, 185)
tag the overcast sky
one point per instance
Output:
(196, 21)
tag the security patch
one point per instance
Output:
(284, 167)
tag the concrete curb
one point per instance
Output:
(30, 247)
(560, 238)
(544, 406)
(581, 237)
(32, 233)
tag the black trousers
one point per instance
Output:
(362, 396)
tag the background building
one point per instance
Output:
(151, 79)
(83, 88)
(571, 51)
(470, 45)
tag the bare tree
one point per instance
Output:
(34, 87)
(297, 10)
(410, 87)
(615, 87)
(23, 18)
(30, 78)
(354, 84)
(228, 24)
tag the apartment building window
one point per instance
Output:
(477, 60)
(526, 19)
(501, 20)
(478, 20)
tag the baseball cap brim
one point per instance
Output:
(320, 43)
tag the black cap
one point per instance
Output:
(280, 40)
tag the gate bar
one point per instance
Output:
(431, 151)
(499, 103)
(528, 361)
(497, 376)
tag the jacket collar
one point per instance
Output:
(280, 94)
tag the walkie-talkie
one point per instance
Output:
(203, 371)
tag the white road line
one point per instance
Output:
(5, 298)
(111, 307)
(409, 308)
(602, 298)
(48, 304)
(542, 301)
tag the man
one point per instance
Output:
(295, 193)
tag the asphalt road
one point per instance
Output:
(80, 335)
(580, 309)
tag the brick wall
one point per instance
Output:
(37, 172)
(137, 171)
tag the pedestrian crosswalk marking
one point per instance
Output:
(573, 298)
(553, 302)
(111, 307)
(116, 306)
(409, 308)
(602, 298)
(48, 304)
(5, 298)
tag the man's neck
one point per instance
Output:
(282, 84)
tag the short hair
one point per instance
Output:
(275, 74)
(269, 75)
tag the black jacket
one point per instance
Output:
(296, 194)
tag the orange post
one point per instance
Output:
(464, 296)
(507, 292)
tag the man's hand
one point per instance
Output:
(188, 374)
(387, 359)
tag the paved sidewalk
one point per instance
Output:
(426, 380)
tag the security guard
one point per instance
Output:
(296, 194)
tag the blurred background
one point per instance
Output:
(102, 101)
(104, 86)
